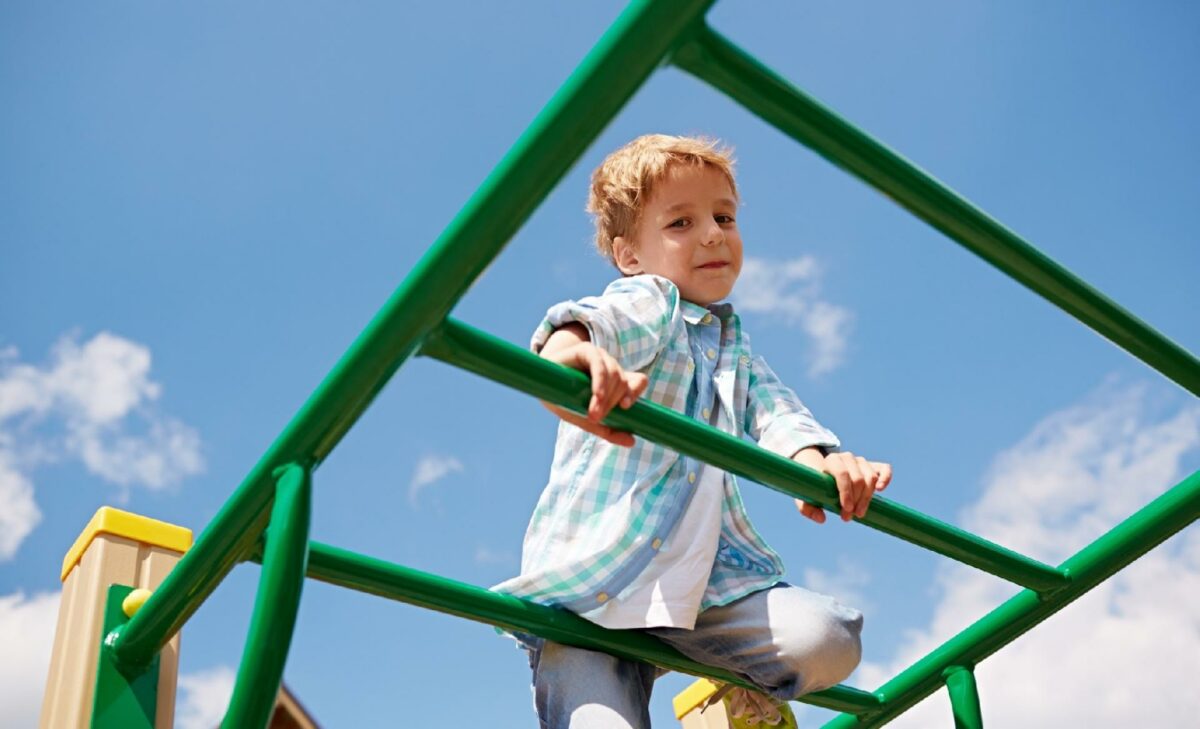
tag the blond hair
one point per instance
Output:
(626, 179)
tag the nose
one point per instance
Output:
(714, 235)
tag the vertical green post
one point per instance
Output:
(964, 698)
(284, 564)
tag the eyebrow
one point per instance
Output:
(685, 205)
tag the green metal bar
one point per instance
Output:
(479, 352)
(636, 43)
(1112, 552)
(397, 582)
(714, 59)
(964, 698)
(284, 564)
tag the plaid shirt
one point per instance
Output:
(607, 509)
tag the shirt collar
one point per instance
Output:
(693, 313)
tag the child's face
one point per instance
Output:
(687, 233)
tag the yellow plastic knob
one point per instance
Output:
(133, 601)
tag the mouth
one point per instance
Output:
(715, 264)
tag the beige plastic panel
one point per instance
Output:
(714, 717)
(109, 560)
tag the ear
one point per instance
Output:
(626, 257)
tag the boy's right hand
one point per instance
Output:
(611, 385)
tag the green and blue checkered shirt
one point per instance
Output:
(607, 509)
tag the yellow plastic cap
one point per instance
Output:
(108, 520)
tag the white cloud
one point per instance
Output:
(486, 556)
(204, 698)
(19, 513)
(85, 404)
(431, 469)
(27, 634)
(791, 291)
(1109, 659)
(846, 584)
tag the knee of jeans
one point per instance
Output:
(825, 652)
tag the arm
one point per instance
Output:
(631, 321)
(570, 346)
(777, 419)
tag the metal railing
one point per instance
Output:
(414, 320)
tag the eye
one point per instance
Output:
(723, 219)
(679, 223)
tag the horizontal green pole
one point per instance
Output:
(1113, 551)
(397, 582)
(635, 44)
(285, 564)
(714, 59)
(479, 352)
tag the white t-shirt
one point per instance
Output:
(668, 591)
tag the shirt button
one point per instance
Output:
(706, 412)
(745, 360)
(656, 544)
(692, 477)
(711, 353)
(602, 597)
(707, 319)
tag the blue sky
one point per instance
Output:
(201, 207)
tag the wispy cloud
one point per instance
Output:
(429, 470)
(27, 634)
(791, 291)
(204, 698)
(846, 583)
(487, 556)
(85, 404)
(1076, 475)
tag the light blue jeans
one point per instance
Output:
(786, 640)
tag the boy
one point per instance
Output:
(631, 535)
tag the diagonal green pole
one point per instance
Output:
(1115, 550)
(629, 51)
(714, 59)
(481, 353)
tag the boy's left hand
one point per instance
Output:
(857, 481)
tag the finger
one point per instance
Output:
(885, 475)
(838, 466)
(594, 370)
(617, 437)
(868, 489)
(636, 383)
(812, 511)
(601, 384)
(617, 385)
(857, 485)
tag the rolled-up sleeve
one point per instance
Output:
(777, 419)
(631, 320)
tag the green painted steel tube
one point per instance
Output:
(1112, 552)
(636, 43)
(397, 582)
(481, 353)
(715, 60)
(284, 565)
(964, 698)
